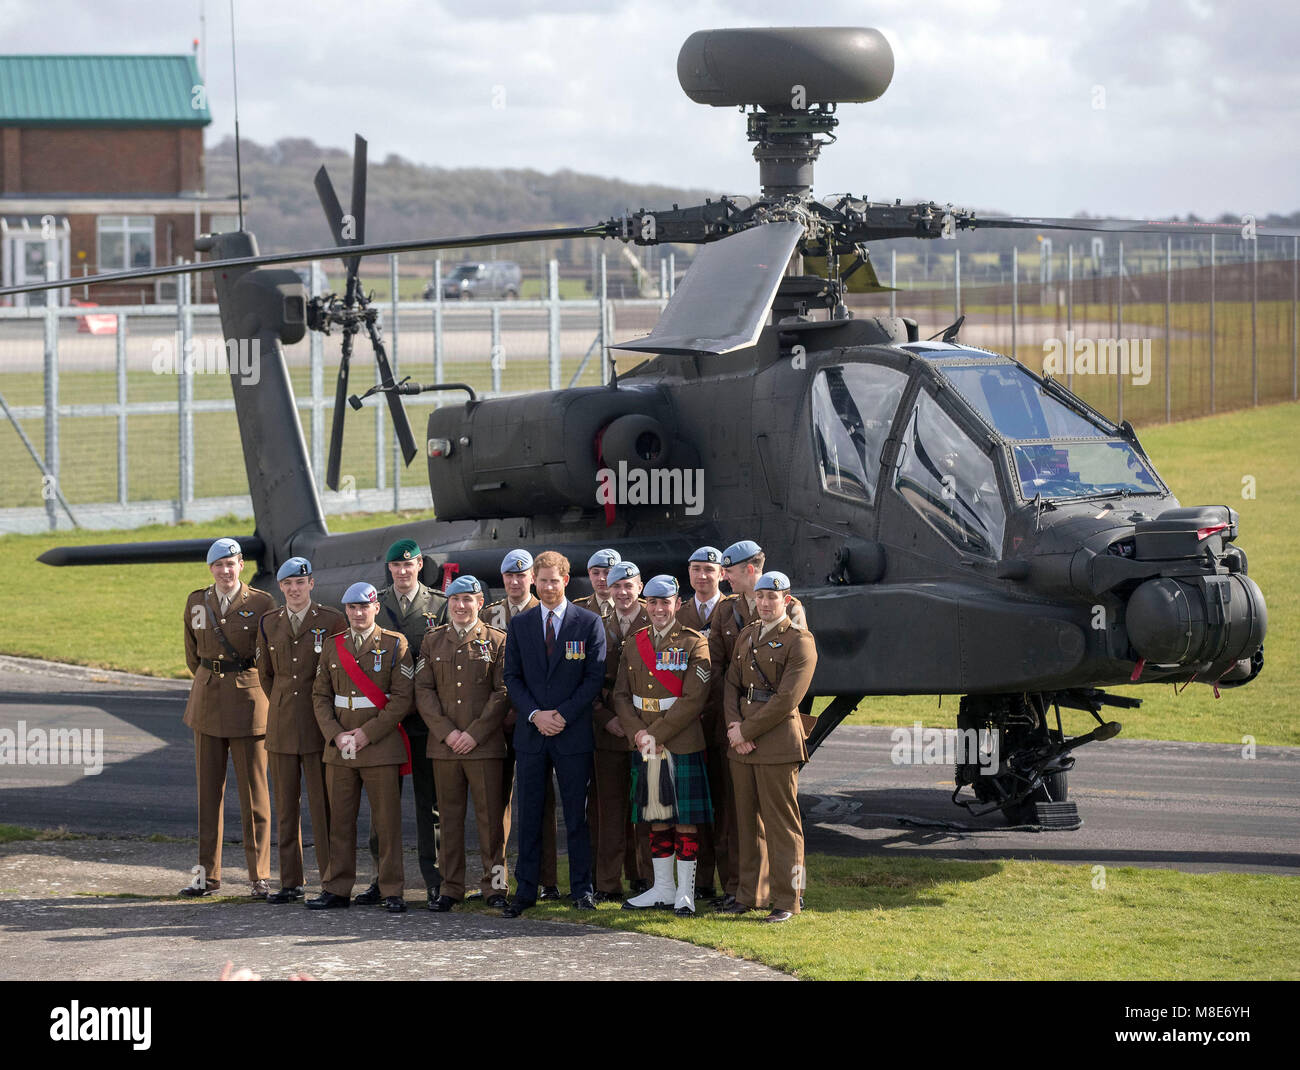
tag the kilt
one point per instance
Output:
(694, 805)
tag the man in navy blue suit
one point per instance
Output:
(555, 666)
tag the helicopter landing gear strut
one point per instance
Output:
(1015, 762)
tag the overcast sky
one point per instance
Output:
(992, 105)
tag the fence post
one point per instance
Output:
(956, 283)
(437, 320)
(498, 358)
(1254, 308)
(120, 362)
(672, 274)
(663, 279)
(602, 326)
(50, 492)
(185, 389)
(1169, 298)
(1119, 333)
(553, 319)
(1213, 325)
(1015, 299)
(1295, 300)
(1069, 315)
(893, 281)
(398, 459)
(316, 369)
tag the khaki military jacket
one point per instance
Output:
(603, 708)
(497, 614)
(678, 728)
(603, 610)
(787, 656)
(229, 704)
(427, 610)
(721, 631)
(394, 676)
(460, 685)
(287, 666)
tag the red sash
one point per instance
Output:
(647, 651)
(368, 688)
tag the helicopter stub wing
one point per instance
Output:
(724, 299)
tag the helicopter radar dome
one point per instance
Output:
(785, 69)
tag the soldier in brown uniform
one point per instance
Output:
(290, 641)
(517, 578)
(770, 673)
(362, 691)
(663, 684)
(706, 610)
(461, 694)
(600, 601)
(610, 809)
(227, 711)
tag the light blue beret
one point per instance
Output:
(661, 587)
(223, 548)
(604, 559)
(295, 566)
(710, 554)
(739, 552)
(773, 581)
(624, 570)
(516, 561)
(360, 592)
(463, 585)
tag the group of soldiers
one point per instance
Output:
(696, 734)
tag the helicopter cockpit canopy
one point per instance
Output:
(1057, 451)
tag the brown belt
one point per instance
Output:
(221, 666)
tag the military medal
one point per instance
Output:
(318, 634)
(484, 650)
(428, 617)
(379, 660)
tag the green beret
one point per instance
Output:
(403, 550)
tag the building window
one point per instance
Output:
(125, 242)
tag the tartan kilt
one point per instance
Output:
(691, 783)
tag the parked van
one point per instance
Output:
(485, 280)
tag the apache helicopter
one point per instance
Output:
(953, 522)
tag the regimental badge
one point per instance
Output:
(575, 651)
(379, 659)
(484, 649)
(318, 636)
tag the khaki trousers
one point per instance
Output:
(547, 873)
(287, 773)
(611, 809)
(249, 755)
(457, 780)
(718, 841)
(383, 789)
(767, 805)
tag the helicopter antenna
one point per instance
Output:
(234, 73)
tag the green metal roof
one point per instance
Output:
(101, 91)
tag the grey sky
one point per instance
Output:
(991, 107)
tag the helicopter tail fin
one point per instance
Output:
(263, 309)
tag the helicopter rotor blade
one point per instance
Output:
(724, 299)
(401, 423)
(1129, 226)
(358, 200)
(416, 245)
(336, 424)
(329, 201)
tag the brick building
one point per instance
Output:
(101, 166)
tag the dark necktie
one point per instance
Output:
(550, 634)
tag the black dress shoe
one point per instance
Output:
(607, 897)
(778, 916)
(328, 901)
(442, 903)
(736, 908)
(190, 892)
(724, 902)
(550, 891)
(703, 892)
(514, 909)
(498, 901)
(394, 904)
(369, 898)
(286, 895)
(584, 902)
